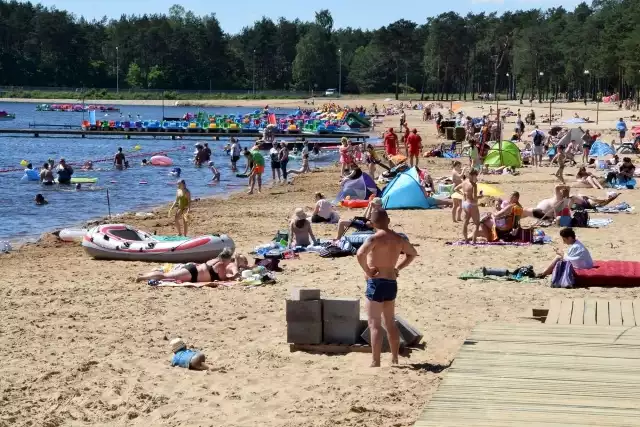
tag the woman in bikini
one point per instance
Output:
(219, 269)
(587, 179)
(469, 191)
(457, 176)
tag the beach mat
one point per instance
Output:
(478, 275)
(599, 222)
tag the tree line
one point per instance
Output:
(590, 51)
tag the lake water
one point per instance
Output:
(23, 220)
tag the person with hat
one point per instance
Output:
(64, 172)
(184, 357)
(391, 143)
(413, 145)
(300, 232)
(118, 159)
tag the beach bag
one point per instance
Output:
(563, 276)
(525, 235)
(281, 235)
(271, 264)
(339, 249)
(565, 221)
(580, 219)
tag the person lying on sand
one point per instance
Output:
(589, 202)
(184, 357)
(587, 179)
(552, 207)
(360, 223)
(220, 269)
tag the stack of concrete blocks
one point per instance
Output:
(304, 316)
(311, 320)
(409, 336)
(341, 320)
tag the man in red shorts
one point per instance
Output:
(391, 143)
(414, 146)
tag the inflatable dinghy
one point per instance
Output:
(122, 242)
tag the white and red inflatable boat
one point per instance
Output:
(122, 242)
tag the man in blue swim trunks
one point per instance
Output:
(378, 257)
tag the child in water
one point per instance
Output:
(40, 200)
(183, 202)
(215, 172)
(184, 357)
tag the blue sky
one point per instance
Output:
(346, 13)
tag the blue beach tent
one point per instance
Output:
(601, 149)
(405, 192)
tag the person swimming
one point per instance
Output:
(175, 172)
(40, 200)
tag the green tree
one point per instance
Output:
(135, 77)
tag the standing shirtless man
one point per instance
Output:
(469, 190)
(378, 257)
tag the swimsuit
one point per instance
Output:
(381, 290)
(193, 269)
(467, 204)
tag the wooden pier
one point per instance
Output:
(535, 374)
(201, 134)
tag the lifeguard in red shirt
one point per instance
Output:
(414, 145)
(391, 143)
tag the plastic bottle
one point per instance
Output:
(500, 272)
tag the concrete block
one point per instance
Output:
(340, 309)
(366, 335)
(303, 294)
(410, 334)
(304, 311)
(304, 332)
(341, 332)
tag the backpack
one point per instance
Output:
(580, 219)
(537, 139)
(563, 276)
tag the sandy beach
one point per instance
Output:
(83, 344)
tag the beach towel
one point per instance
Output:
(599, 222)
(463, 243)
(477, 274)
(619, 208)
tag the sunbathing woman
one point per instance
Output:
(216, 270)
(469, 191)
(586, 179)
(360, 223)
(588, 202)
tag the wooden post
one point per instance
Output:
(550, 113)
(597, 111)
(500, 137)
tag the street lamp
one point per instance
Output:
(541, 74)
(117, 71)
(586, 79)
(339, 73)
(254, 73)
(509, 84)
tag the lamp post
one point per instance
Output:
(509, 84)
(117, 71)
(586, 78)
(541, 74)
(339, 73)
(253, 90)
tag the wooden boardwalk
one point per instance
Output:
(533, 374)
(594, 312)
